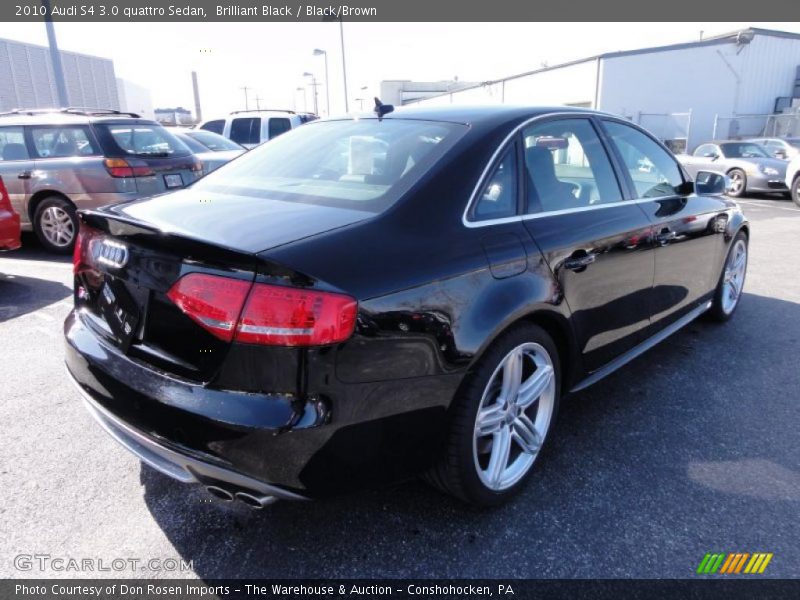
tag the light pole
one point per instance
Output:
(245, 88)
(344, 65)
(55, 57)
(305, 103)
(313, 90)
(318, 52)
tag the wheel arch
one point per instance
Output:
(557, 326)
(39, 196)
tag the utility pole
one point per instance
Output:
(246, 105)
(55, 56)
(258, 102)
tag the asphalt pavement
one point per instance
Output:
(692, 448)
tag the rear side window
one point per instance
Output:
(655, 173)
(217, 126)
(12, 144)
(142, 139)
(567, 167)
(278, 125)
(60, 142)
(498, 199)
(246, 130)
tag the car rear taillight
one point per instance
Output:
(119, 167)
(196, 166)
(264, 314)
(82, 257)
(5, 201)
(284, 316)
(213, 302)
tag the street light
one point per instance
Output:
(305, 103)
(313, 89)
(318, 52)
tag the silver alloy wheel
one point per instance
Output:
(733, 277)
(57, 226)
(514, 416)
(737, 182)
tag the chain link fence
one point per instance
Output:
(767, 125)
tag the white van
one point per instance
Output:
(253, 127)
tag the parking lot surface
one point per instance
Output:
(692, 448)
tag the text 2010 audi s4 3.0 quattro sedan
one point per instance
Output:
(366, 299)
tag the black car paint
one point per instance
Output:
(433, 294)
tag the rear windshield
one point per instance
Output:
(142, 139)
(212, 141)
(362, 164)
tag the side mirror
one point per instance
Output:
(707, 183)
(780, 153)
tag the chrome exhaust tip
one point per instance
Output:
(255, 502)
(220, 493)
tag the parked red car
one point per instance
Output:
(9, 221)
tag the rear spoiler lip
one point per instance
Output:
(258, 263)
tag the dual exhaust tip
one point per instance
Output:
(254, 500)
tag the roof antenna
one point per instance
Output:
(382, 109)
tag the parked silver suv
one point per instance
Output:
(56, 161)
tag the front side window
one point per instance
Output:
(278, 125)
(216, 126)
(362, 164)
(567, 167)
(12, 144)
(246, 130)
(743, 150)
(143, 140)
(654, 171)
(498, 199)
(706, 151)
(61, 142)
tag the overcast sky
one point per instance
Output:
(270, 58)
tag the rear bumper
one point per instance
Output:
(170, 462)
(9, 231)
(360, 434)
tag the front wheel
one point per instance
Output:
(731, 282)
(738, 183)
(56, 224)
(501, 419)
(796, 190)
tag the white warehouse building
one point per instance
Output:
(726, 86)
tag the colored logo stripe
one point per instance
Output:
(734, 563)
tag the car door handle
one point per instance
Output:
(24, 175)
(578, 263)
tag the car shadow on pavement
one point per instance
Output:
(22, 295)
(627, 486)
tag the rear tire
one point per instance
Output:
(731, 280)
(56, 224)
(500, 419)
(738, 183)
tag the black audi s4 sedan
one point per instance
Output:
(371, 298)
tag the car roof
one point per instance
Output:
(60, 117)
(477, 114)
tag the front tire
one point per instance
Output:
(56, 224)
(738, 183)
(796, 190)
(731, 281)
(501, 419)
